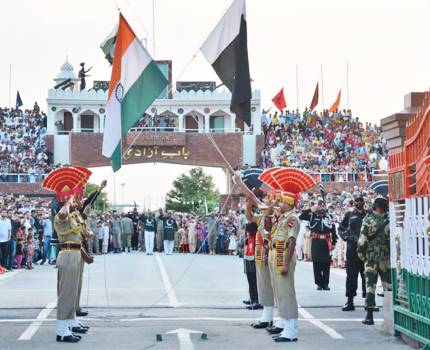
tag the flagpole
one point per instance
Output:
(297, 86)
(10, 84)
(322, 87)
(347, 84)
(153, 27)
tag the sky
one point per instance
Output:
(384, 43)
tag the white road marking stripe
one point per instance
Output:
(167, 285)
(152, 319)
(34, 326)
(330, 331)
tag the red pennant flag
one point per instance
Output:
(314, 102)
(335, 105)
(279, 100)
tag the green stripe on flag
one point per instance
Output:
(116, 158)
(141, 95)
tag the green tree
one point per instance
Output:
(102, 204)
(190, 191)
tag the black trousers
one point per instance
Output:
(251, 275)
(321, 273)
(4, 247)
(354, 266)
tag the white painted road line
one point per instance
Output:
(330, 331)
(34, 326)
(152, 319)
(166, 281)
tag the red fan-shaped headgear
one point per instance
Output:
(292, 180)
(289, 182)
(268, 180)
(67, 181)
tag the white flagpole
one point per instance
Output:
(153, 28)
(10, 85)
(322, 87)
(297, 86)
(347, 84)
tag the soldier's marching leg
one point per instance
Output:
(384, 271)
(79, 311)
(371, 279)
(288, 307)
(265, 295)
(278, 326)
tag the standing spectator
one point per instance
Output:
(232, 239)
(160, 230)
(127, 230)
(212, 233)
(134, 216)
(116, 229)
(170, 228)
(15, 224)
(106, 236)
(221, 238)
(192, 234)
(100, 235)
(47, 234)
(5, 235)
(29, 248)
(184, 240)
(150, 226)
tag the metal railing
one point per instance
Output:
(156, 129)
(346, 176)
(21, 178)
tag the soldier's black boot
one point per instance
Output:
(349, 306)
(369, 317)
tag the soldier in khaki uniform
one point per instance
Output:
(264, 222)
(287, 184)
(68, 182)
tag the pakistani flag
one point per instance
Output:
(226, 49)
(108, 45)
(136, 81)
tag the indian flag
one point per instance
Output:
(136, 81)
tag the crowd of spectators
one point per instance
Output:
(336, 145)
(30, 223)
(156, 123)
(25, 232)
(22, 145)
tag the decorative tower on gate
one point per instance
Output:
(408, 135)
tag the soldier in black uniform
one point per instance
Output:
(349, 231)
(323, 234)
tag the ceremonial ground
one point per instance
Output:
(134, 297)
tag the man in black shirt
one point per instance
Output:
(324, 238)
(349, 231)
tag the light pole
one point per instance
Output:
(123, 194)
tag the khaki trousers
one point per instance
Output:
(264, 285)
(81, 274)
(68, 271)
(285, 292)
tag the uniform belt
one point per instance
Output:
(70, 246)
(320, 236)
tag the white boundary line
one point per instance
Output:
(34, 326)
(166, 281)
(152, 319)
(330, 331)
